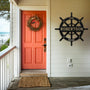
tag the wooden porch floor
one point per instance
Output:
(58, 83)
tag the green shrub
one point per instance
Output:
(7, 42)
(3, 47)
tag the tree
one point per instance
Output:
(5, 9)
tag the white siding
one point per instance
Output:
(62, 52)
(33, 2)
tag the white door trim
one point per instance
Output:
(41, 8)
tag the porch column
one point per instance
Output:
(11, 24)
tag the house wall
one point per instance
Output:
(62, 52)
(33, 2)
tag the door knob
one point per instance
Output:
(44, 45)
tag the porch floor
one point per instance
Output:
(78, 83)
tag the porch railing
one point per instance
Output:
(6, 67)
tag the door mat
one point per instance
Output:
(34, 82)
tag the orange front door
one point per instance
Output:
(33, 51)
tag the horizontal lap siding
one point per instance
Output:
(62, 52)
(33, 2)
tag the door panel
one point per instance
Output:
(33, 53)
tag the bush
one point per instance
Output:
(3, 47)
(7, 42)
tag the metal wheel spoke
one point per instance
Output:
(76, 24)
(76, 34)
(71, 22)
(64, 36)
(71, 37)
(66, 24)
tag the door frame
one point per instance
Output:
(48, 53)
(35, 45)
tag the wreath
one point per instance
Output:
(31, 22)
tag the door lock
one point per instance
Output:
(44, 45)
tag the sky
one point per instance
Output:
(4, 25)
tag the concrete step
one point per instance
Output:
(30, 73)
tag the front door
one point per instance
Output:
(33, 41)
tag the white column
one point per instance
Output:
(19, 39)
(48, 41)
(11, 23)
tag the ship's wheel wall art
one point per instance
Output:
(71, 29)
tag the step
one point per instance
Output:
(30, 73)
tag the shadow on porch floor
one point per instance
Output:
(58, 84)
